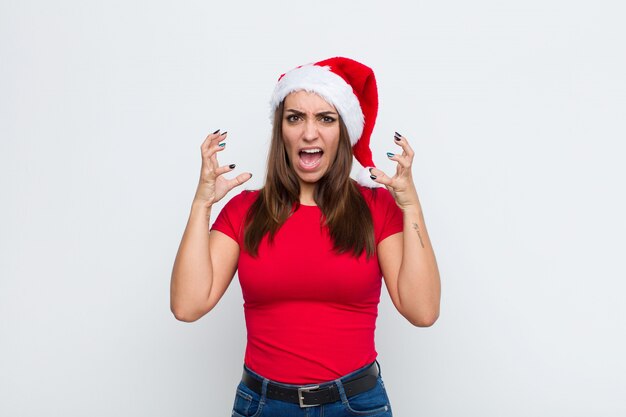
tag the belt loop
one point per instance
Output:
(342, 392)
(264, 389)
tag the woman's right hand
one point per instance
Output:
(213, 186)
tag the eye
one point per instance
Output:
(292, 118)
(328, 119)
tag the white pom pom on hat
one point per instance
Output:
(349, 86)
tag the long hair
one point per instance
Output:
(344, 209)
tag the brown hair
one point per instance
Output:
(344, 209)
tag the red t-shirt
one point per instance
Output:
(310, 313)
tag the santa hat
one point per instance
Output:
(349, 86)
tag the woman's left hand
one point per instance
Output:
(400, 185)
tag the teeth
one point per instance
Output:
(311, 150)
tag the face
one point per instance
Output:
(310, 128)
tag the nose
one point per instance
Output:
(310, 130)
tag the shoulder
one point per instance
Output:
(244, 198)
(231, 218)
(386, 215)
(238, 206)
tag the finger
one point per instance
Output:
(402, 160)
(238, 180)
(209, 153)
(224, 169)
(218, 147)
(220, 137)
(404, 144)
(379, 176)
(212, 138)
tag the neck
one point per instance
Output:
(306, 194)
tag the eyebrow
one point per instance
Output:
(322, 113)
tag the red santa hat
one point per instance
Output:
(349, 86)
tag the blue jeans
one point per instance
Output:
(373, 403)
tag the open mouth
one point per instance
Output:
(309, 158)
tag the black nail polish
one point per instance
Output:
(224, 133)
(370, 170)
(373, 177)
(397, 138)
(397, 134)
(215, 132)
(231, 166)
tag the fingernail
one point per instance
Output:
(390, 155)
(371, 170)
(222, 144)
(215, 132)
(224, 133)
(231, 166)
(373, 177)
(397, 134)
(397, 138)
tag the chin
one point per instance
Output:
(310, 177)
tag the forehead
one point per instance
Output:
(306, 100)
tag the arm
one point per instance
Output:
(198, 281)
(407, 259)
(205, 263)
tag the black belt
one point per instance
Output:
(312, 395)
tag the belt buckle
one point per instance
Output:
(301, 391)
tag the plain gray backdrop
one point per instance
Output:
(515, 110)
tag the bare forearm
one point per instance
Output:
(192, 273)
(419, 287)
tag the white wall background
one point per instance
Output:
(515, 109)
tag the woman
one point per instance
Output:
(310, 248)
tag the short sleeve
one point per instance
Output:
(386, 214)
(231, 219)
